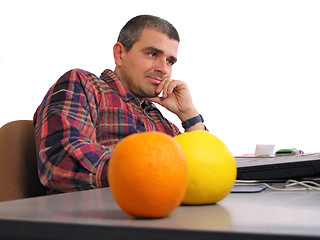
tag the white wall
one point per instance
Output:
(252, 66)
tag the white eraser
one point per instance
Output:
(264, 150)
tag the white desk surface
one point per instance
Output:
(93, 214)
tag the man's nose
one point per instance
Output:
(162, 66)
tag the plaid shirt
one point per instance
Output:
(79, 122)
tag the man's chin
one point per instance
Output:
(148, 95)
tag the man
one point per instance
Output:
(83, 117)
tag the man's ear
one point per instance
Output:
(118, 51)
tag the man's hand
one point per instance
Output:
(176, 98)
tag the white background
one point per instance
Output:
(252, 66)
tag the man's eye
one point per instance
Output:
(152, 54)
(170, 62)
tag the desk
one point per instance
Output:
(93, 214)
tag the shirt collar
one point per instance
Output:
(112, 79)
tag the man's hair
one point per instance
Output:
(131, 31)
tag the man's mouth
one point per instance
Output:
(156, 78)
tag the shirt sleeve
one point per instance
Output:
(69, 158)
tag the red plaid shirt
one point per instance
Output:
(79, 122)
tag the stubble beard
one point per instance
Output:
(137, 90)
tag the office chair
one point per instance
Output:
(18, 162)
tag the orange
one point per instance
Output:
(148, 174)
(212, 167)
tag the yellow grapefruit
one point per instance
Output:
(211, 167)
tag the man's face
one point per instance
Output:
(147, 63)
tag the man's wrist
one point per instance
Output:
(188, 114)
(192, 121)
